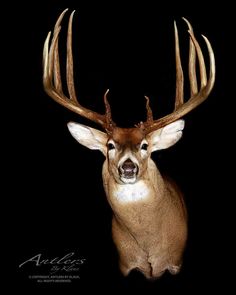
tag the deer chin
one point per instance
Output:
(128, 180)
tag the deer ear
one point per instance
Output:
(167, 136)
(89, 137)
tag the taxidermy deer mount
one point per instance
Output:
(149, 225)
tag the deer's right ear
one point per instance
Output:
(89, 137)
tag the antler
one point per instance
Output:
(52, 77)
(197, 97)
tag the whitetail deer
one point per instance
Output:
(149, 225)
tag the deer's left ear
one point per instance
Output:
(167, 136)
(89, 137)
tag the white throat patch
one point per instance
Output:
(131, 192)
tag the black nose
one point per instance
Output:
(128, 169)
(128, 165)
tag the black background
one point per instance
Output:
(56, 184)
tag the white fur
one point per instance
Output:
(128, 180)
(167, 136)
(89, 137)
(132, 192)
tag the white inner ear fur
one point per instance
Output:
(89, 137)
(167, 136)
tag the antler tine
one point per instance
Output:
(202, 67)
(196, 97)
(69, 62)
(149, 121)
(57, 72)
(192, 63)
(149, 111)
(52, 77)
(109, 123)
(179, 97)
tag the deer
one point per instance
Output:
(149, 223)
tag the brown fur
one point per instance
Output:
(150, 234)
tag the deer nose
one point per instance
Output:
(128, 169)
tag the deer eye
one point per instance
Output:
(110, 146)
(144, 146)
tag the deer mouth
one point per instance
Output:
(128, 171)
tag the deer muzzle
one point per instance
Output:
(128, 169)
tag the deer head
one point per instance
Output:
(128, 149)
